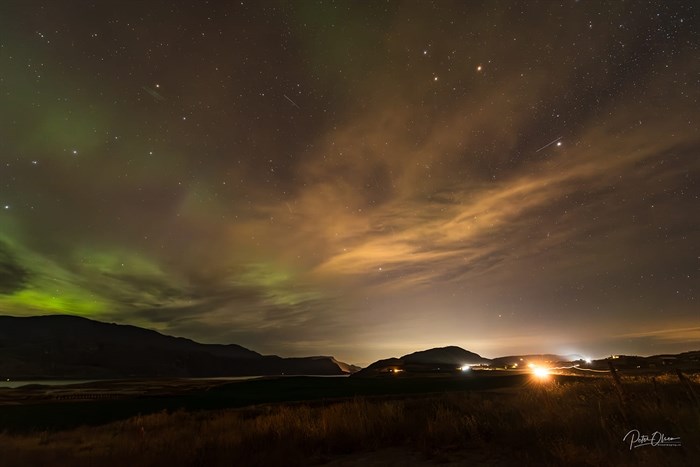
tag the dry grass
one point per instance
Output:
(541, 424)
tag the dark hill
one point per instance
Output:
(73, 347)
(444, 355)
(437, 360)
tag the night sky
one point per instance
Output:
(358, 179)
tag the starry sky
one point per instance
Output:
(358, 179)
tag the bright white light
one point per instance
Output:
(587, 360)
(541, 373)
(466, 368)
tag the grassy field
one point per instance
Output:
(37, 409)
(479, 421)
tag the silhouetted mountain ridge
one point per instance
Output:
(439, 359)
(61, 346)
(451, 360)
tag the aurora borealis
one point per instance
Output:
(358, 179)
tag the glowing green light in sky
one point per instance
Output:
(58, 302)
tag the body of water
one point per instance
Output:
(46, 382)
(64, 382)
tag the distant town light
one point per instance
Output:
(465, 367)
(541, 373)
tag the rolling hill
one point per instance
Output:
(436, 360)
(62, 346)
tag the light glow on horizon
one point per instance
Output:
(541, 373)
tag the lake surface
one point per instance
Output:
(45, 382)
(64, 382)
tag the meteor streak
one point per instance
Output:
(293, 103)
(549, 144)
(153, 93)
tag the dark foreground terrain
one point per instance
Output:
(486, 418)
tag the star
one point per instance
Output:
(463, 189)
